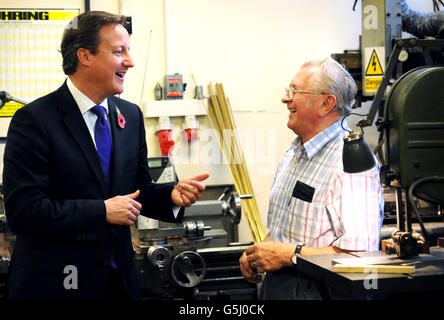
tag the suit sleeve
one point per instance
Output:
(31, 208)
(155, 198)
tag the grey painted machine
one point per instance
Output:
(402, 78)
(198, 259)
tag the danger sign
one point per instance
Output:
(374, 66)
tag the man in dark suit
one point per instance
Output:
(71, 215)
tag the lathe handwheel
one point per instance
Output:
(182, 267)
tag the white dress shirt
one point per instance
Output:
(85, 104)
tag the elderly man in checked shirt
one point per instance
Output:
(315, 207)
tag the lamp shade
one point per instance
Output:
(356, 154)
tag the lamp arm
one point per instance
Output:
(393, 60)
(383, 85)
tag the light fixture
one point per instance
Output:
(413, 139)
(356, 154)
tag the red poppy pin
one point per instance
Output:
(120, 119)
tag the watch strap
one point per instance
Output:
(296, 254)
(298, 250)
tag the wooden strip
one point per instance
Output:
(243, 171)
(373, 268)
(221, 118)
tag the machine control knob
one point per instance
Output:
(159, 256)
(188, 269)
(195, 228)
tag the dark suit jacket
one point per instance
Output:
(54, 194)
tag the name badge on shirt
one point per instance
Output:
(303, 191)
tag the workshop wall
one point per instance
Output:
(252, 47)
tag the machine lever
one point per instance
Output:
(186, 268)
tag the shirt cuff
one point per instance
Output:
(175, 210)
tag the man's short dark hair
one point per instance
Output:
(83, 32)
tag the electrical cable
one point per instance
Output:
(349, 114)
(146, 67)
(354, 5)
(410, 198)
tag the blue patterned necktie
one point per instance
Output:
(103, 140)
(103, 144)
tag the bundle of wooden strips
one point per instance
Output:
(221, 118)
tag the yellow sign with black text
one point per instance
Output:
(30, 59)
(374, 66)
(37, 15)
(372, 84)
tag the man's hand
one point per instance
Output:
(188, 190)
(123, 210)
(268, 256)
(249, 273)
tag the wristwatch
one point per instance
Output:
(296, 254)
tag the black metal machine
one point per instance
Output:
(7, 240)
(198, 260)
(413, 125)
(408, 98)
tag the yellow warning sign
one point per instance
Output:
(374, 66)
(372, 84)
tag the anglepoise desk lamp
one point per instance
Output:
(413, 123)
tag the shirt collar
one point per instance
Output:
(83, 102)
(315, 144)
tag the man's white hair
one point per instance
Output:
(333, 78)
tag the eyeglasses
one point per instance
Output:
(291, 92)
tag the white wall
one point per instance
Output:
(252, 47)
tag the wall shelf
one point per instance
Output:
(175, 108)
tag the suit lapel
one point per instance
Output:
(75, 124)
(118, 143)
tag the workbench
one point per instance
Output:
(427, 280)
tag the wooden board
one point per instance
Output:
(373, 268)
